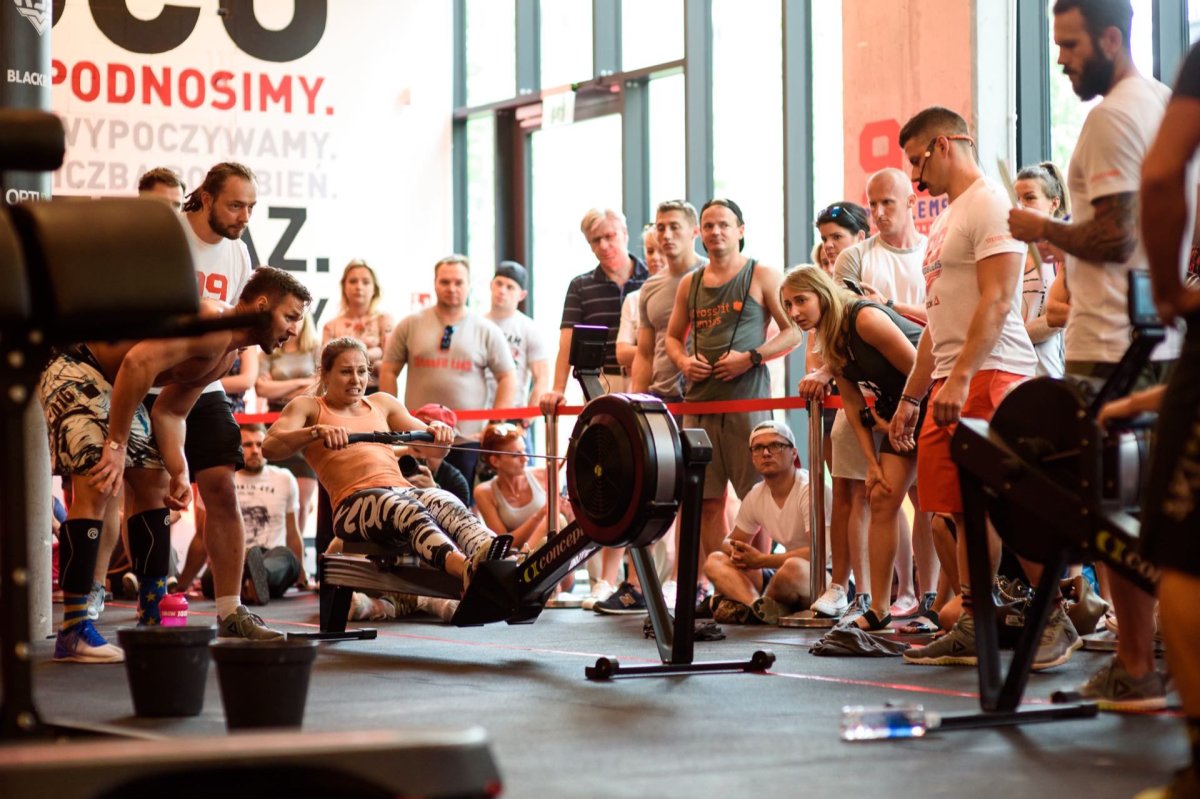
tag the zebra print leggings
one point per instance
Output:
(429, 521)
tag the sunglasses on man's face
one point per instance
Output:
(446, 336)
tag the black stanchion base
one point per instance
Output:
(1011, 718)
(607, 668)
(362, 634)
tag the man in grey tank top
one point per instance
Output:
(726, 306)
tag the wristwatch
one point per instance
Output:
(755, 357)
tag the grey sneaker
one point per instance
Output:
(955, 648)
(244, 624)
(768, 610)
(855, 610)
(95, 602)
(1059, 641)
(1113, 688)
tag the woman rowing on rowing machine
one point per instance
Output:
(371, 499)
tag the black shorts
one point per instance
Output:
(213, 437)
(1170, 533)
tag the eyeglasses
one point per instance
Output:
(920, 181)
(775, 447)
(446, 335)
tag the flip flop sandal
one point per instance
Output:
(875, 625)
(925, 624)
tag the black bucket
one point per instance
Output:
(167, 668)
(263, 683)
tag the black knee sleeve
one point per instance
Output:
(150, 542)
(79, 540)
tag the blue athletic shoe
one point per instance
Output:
(626, 600)
(82, 644)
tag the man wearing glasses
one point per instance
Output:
(448, 349)
(752, 586)
(595, 298)
(975, 347)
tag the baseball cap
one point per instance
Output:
(771, 426)
(514, 272)
(433, 412)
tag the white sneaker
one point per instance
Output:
(831, 603)
(669, 589)
(601, 591)
(366, 608)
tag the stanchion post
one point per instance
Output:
(551, 475)
(816, 497)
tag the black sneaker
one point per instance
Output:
(626, 600)
(704, 609)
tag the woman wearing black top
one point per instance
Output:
(862, 342)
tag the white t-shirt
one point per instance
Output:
(893, 272)
(627, 333)
(528, 347)
(266, 499)
(453, 376)
(1035, 285)
(1108, 160)
(970, 229)
(222, 271)
(787, 525)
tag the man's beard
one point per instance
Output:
(264, 335)
(1096, 78)
(221, 231)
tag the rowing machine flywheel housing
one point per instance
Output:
(625, 469)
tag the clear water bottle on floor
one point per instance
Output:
(877, 722)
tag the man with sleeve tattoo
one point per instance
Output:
(1103, 246)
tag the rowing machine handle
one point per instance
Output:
(406, 437)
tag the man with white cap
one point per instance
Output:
(752, 585)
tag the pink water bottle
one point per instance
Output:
(173, 610)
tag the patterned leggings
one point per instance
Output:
(429, 521)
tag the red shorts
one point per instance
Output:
(937, 474)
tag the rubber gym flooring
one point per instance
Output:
(554, 734)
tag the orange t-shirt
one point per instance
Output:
(358, 466)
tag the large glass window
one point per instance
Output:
(828, 129)
(1067, 111)
(668, 156)
(651, 33)
(566, 42)
(481, 206)
(575, 167)
(1193, 21)
(747, 108)
(491, 50)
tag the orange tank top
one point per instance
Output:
(358, 466)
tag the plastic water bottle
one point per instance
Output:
(901, 720)
(173, 610)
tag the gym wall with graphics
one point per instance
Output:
(341, 108)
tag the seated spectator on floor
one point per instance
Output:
(269, 500)
(751, 585)
(372, 500)
(514, 501)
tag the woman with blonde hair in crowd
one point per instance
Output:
(360, 317)
(864, 343)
